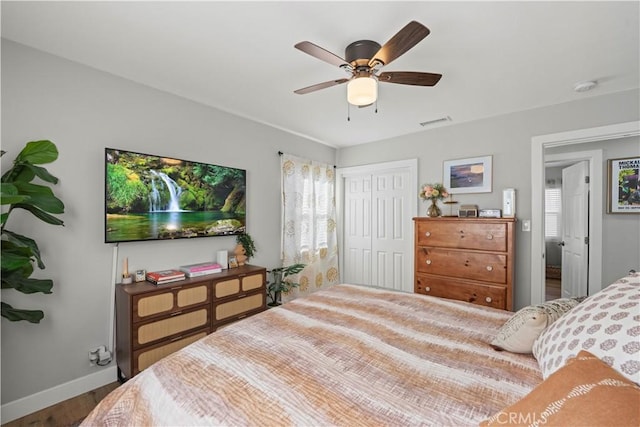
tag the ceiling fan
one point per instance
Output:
(363, 60)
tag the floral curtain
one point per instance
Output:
(309, 224)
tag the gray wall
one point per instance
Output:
(83, 111)
(620, 232)
(508, 139)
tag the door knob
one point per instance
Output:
(561, 243)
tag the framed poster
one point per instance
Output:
(471, 175)
(623, 187)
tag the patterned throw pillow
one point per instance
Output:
(584, 392)
(606, 324)
(521, 330)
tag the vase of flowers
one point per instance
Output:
(433, 192)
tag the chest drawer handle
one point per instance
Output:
(489, 268)
(489, 236)
(428, 262)
(175, 313)
(488, 299)
(427, 289)
(428, 234)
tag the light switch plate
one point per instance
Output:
(526, 225)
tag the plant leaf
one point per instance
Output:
(16, 314)
(31, 286)
(38, 152)
(41, 196)
(42, 173)
(24, 241)
(21, 173)
(9, 194)
(14, 258)
(40, 214)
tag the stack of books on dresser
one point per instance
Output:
(201, 269)
(165, 276)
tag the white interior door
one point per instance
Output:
(575, 229)
(378, 206)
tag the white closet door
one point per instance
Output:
(390, 233)
(357, 230)
(377, 235)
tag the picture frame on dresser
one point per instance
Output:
(470, 175)
(623, 185)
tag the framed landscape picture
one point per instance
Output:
(623, 187)
(472, 175)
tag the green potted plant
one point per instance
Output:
(281, 282)
(20, 253)
(245, 248)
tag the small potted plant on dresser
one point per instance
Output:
(281, 282)
(245, 248)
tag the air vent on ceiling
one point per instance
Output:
(432, 122)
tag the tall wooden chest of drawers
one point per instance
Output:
(154, 321)
(468, 259)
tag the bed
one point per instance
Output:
(345, 356)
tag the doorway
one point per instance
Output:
(538, 146)
(376, 205)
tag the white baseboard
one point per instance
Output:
(43, 399)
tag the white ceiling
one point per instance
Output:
(495, 57)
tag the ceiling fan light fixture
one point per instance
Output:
(362, 91)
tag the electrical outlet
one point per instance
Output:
(95, 355)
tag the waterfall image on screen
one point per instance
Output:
(150, 197)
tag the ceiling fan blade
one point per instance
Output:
(319, 86)
(410, 78)
(405, 39)
(322, 54)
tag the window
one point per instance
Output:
(552, 212)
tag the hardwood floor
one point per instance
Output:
(552, 289)
(68, 413)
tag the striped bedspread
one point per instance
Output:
(345, 356)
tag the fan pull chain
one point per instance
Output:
(376, 106)
(348, 112)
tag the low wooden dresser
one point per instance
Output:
(467, 259)
(155, 321)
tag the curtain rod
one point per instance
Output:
(280, 153)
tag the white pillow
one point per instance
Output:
(521, 330)
(607, 324)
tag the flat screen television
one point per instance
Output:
(150, 197)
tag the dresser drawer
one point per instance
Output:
(168, 300)
(235, 309)
(238, 285)
(488, 267)
(178, 323)
(491, 296)
(146, 357)
(463, 235)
